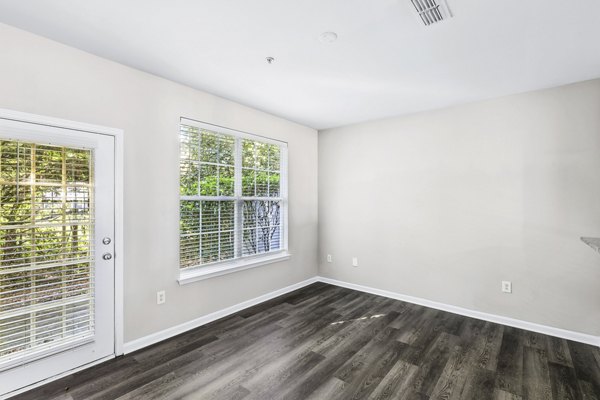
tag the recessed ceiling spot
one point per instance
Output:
(328, 37)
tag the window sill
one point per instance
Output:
(201, 273)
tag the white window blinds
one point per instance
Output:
(232, 196)
(46, 247)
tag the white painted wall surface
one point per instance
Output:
(43, 77)
(465, 197)
(444, 205)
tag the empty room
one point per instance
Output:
(299, 199)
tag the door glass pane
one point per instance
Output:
(46, 247)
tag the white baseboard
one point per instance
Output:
(195, 323)
(529, 326)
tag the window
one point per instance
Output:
(232, 199)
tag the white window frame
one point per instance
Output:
(219, 268)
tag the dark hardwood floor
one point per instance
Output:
(326, 342)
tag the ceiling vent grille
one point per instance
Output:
(432, 11)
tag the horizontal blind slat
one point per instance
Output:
(44, 306)
(8, 262)
(45, 333)
(36, 267)
(40, 276)
(65, 286)
(7, 323)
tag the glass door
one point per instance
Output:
(56, 264)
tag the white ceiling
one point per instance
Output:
(384, 63)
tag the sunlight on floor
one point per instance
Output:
(358, 319)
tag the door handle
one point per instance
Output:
(106, 256)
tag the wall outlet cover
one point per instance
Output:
(161, 297)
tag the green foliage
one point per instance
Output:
(207, 169)
(258, 155)
(207, 160)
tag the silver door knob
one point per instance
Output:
(106, 256)
(106, 241)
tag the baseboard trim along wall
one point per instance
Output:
(153, 338)
(529, 326)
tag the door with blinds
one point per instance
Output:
(56, 251)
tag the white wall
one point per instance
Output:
(444, 205)
(43, 77)
(441, 205)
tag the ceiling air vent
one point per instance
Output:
(432, 11)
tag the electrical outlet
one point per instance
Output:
(161, 297)
(329, 258)
(506, 286)
(355, 261)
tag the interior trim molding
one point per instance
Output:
(156, 337)
(498, 319)
(198, 274)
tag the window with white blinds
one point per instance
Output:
(232, 195)
(46, 247)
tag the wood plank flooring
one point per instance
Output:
(326, 342)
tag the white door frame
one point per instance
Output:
(118, 136)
